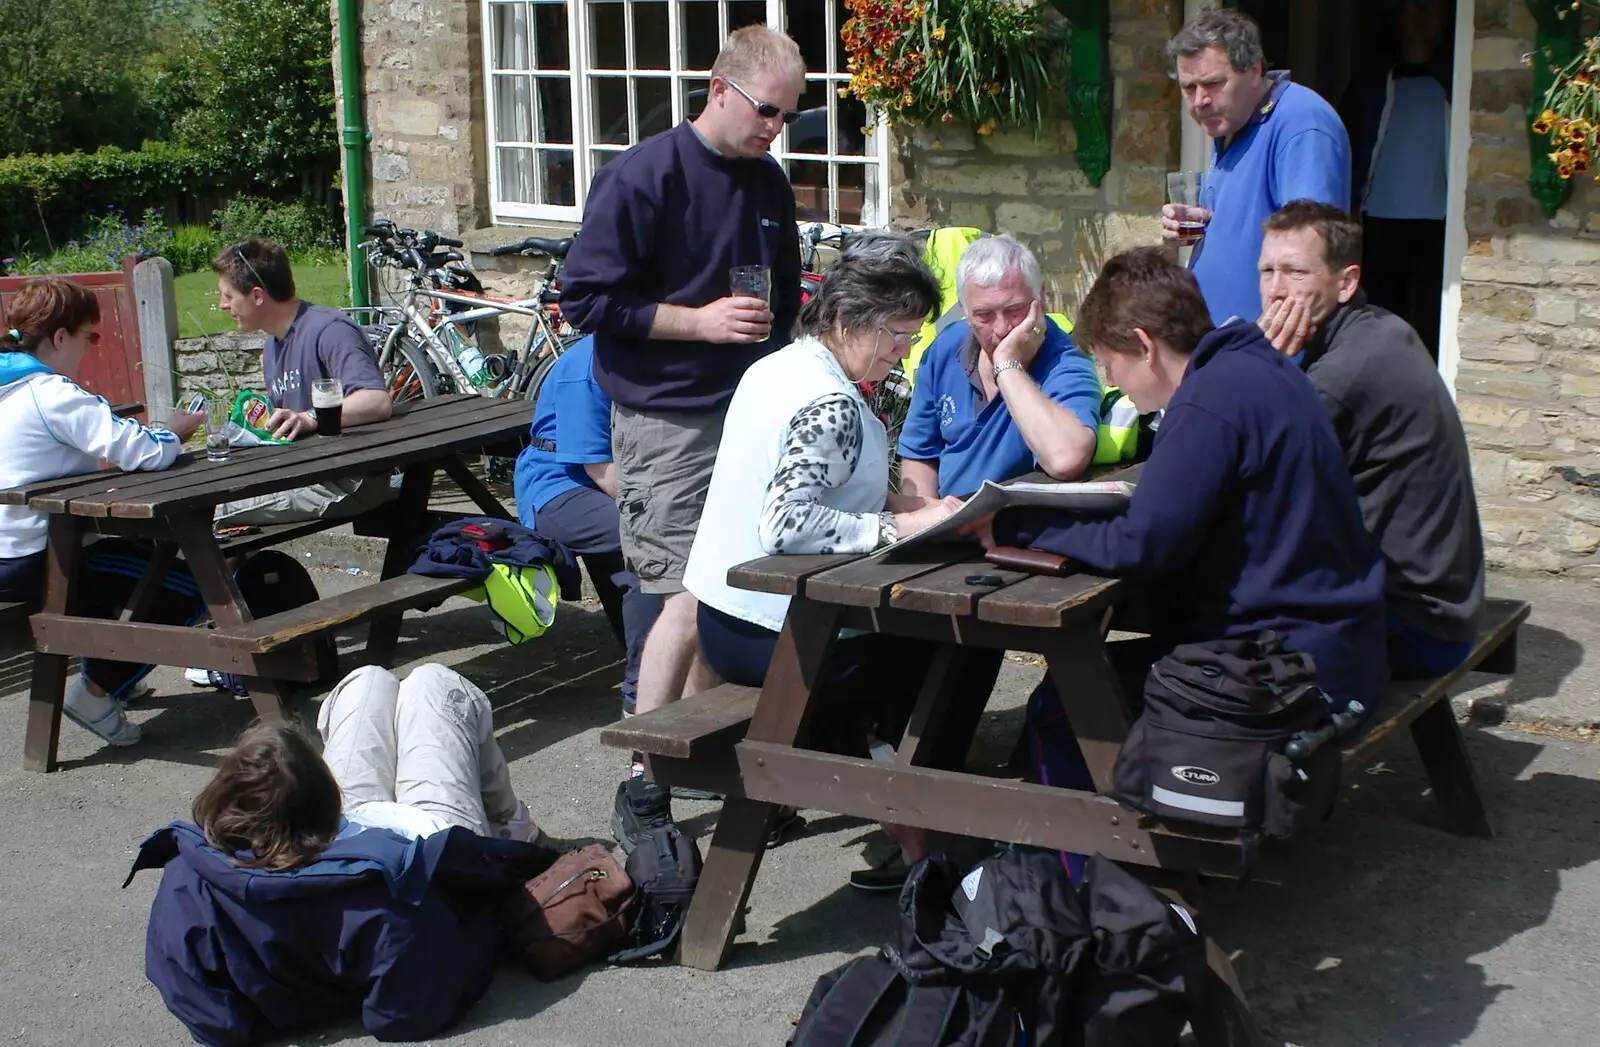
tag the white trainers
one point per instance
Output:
(137, 693)
(198, 677)
(99, 714)
(520, 827)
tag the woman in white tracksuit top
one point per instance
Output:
(53, 428)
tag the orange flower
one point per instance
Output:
(1545, 121)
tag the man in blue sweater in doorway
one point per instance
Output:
(1272, 141)
(649, 277)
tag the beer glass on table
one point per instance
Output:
(327, 403)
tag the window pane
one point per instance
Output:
(655, 104)
(852, 117)
(608, 110)
(810, 181)
(598, 158)
(841, 58)
(510, 26)
(555, 174)
(652, 47)
(852, 194)
(745, 12)
(694, 96)
(513, 108)
(608, 41)
(809, 134)
(807, 23)
(516, 175)
(555, 109)
(550, 49)
(700, 32)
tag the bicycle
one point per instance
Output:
(425, 340)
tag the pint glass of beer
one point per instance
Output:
(327, 402)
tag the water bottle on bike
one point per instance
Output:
(468, 356)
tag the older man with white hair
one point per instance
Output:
(1002, 391)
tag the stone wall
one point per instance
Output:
(218, 362)
(1032, 188)
(1528, 385)
(423, 87)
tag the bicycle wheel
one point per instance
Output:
(412, 375)
(541, 371)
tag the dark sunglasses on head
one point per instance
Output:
(239, 251)
(765, 110)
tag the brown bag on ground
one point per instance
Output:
(575, 912)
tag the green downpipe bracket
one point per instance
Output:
(1090, 90)
(1555, 43)
(354, 137)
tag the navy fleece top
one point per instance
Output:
(664, 222)
(1245, 517)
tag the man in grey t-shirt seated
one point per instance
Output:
(305, 342)
(1397, 425)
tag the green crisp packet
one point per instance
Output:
(250, 413)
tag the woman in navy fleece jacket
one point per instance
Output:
(1244, 517)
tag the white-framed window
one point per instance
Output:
(572, 83)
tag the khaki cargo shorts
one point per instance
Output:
(664, 462)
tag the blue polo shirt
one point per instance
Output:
(571, 429)
(1294, 148)
(973, 440)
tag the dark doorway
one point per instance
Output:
(1387, 66)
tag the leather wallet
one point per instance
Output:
(1031, 560)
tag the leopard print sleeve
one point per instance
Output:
(821, 446)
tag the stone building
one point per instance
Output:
(487, 118)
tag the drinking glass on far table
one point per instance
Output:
(219, 428)
(755, 281)
(1187, 191)
(327, 403)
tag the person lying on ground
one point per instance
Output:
(366, 881)
(56, 428)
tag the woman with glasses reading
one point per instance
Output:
(53, 428)
(804, 468)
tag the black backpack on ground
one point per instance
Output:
(869, 1003)
(664, 867)
(1235, 734)
(272, 582)
(1010, 953)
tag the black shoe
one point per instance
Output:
(783, 827)
(641, 806)
(890, 876)
(683, 792)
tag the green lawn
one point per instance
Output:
(198, 314)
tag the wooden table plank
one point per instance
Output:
(946, 591)
(499, 420)
(401, 593)
(870, 581)
(249, 463)
(783, 574)
(1045, 601)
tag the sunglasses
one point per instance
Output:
(239, 253)
(765, 110)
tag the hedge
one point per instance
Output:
(53, 192)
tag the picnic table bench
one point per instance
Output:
(173, 509)
(744, 742)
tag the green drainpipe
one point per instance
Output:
(355, 138)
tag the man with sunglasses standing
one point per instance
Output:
(649, 276)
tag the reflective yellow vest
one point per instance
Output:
(523, 598)
(1118, 437)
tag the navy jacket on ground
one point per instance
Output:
(403, 932)
(664, 222)
(1245, 517)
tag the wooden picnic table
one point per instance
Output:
(173, 508)
(929, 592)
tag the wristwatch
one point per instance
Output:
(888, 530)
(1005, 365)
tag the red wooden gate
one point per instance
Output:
(114, 369)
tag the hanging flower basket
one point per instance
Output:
(1570, 114)
(985, 63)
